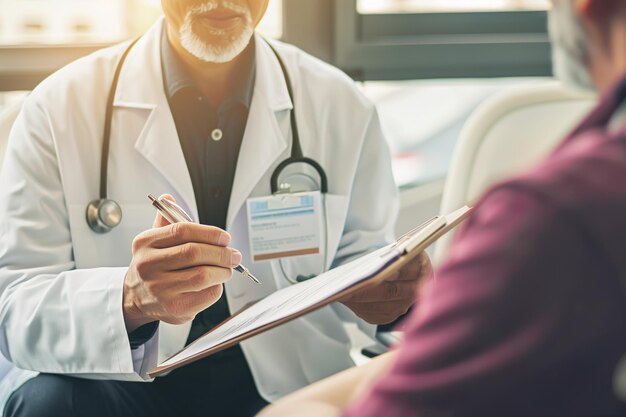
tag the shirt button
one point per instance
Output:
(217, 135)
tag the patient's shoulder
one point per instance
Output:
(581, 186)
(586, 174)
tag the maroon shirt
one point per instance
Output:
(528, 315)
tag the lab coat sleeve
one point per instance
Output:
(373, 208)
(54, 318)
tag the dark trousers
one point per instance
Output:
(213, 387)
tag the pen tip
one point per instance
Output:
(253, 278)
(152, 198)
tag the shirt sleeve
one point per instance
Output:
(141, 335)
(493, 318)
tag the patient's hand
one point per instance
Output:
(391, 299)
(330, 396)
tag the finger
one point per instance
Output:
(159, 220)
(391, 308)
(396, 276)
(184, 307)
(201, 300)
(381, 312)
(418, 268)
(190, 255)
(193, 280)
(387, 291)
(413, 269)
(181, 233)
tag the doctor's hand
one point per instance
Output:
(389, 300)
(176, 272)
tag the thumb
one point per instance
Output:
(159, 220)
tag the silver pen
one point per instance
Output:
(173, 213)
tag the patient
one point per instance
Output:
(528, 315)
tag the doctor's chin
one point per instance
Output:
(349, 208)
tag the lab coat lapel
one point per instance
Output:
(141, 88)
(264, 141)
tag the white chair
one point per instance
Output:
(507, 134)
(7, 118)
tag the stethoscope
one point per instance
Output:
(105, 214)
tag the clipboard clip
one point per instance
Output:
(408, 235)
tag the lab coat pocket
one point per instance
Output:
(288, 271)
(113, 249)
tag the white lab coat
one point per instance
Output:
(60, 308)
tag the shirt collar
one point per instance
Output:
(601, 116)
(176, 76)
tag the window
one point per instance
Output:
(429, 6)
(272, 23)
(64, 21)
(90, 21)
(442, 41)
(421, 39)
(37, 37)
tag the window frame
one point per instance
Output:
(403, 46)
(22, 67)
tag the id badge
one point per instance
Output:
(285, 225)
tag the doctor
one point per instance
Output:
(201, 108)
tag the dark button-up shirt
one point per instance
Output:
(528, 315)
(210, 138)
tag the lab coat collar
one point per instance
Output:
(263, 141)
(141, 87)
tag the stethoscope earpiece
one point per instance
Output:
(103, 215)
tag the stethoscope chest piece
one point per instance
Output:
(103, 215)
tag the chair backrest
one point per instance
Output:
(7, 118)
(509, 133)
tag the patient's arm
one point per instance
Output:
(328, 398)
(502, 324)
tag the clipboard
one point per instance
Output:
(406, 248)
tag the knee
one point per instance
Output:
(44, 395)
